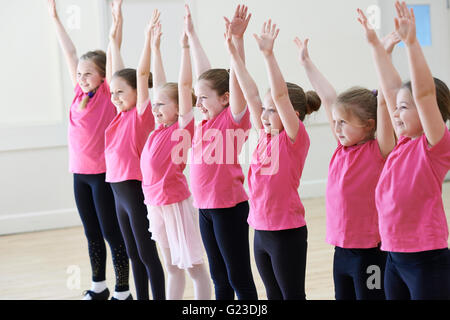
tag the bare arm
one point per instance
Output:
(277, 83)
(237, 27)
(321, 85)
(116, 58)
(246, 82)
(422, 82)
(67, 46)
(143, 70)
(159, 75)
(388, 76)
(116, 11)
(201, 61)
(386, 137)
(185, 79)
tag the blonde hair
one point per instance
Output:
(171, 88)
(98, 58)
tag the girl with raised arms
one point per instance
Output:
(125, 138)
(90, 114)
(276, 211)
(412, 221)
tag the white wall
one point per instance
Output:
(35, 185)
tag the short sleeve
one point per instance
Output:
(244, 122)
(183, 121)
(300, 138)
(145, 123)
(440, 153)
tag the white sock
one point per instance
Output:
(98, 287)
(121, 295)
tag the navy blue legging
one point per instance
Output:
(141, 249)
(95, 203)
(281, 260)
(421, 275)
(358, 273)
(225, 237)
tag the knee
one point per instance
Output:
(173, 270)
(198, 272)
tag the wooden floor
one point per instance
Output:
(44, 265)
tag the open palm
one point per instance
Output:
(267, 37)
(405, 23)
(303, 53)
(240, 21)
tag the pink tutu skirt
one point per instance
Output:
(175, 226)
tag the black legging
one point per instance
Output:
(281, 261)
(95, 203)
(133, 221)
(225, 237)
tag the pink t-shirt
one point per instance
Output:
(86, 131)
(409, 196)
(273, 181)
(216, 175)
(352, 218)
(163, 161)
(124, 139)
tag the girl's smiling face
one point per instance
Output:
(164, 108)
(406, 118)
(123, 96)
(88, 76)
(209, 102)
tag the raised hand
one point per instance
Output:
(303, 53)
(371, 35)
(267, 37)
(239, 22)
(389, 41)
(405, 23)
(154, 21)
(114, 31)
(52, 9)
(229, 41)
(184, 40)
(116, 9)
(188, 24)
(156, 36)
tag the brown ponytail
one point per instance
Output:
(303, 103)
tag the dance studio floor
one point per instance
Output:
(54, 264)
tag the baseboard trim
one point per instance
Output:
(37, 221)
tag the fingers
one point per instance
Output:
(301, 45)
(248, 18)
(155, 16)
(187, 10)
(227, 22)
(398, 9)
(362, 19)
(241, 12)
(263, 30)
(396, 24)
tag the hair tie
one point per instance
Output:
(375, 92)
